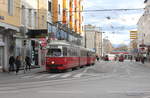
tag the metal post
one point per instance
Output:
(85, 38)
(95, 42)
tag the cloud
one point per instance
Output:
(113, 4)
(119, 38)
(120, 22)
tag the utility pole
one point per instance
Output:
(95, 41)
(85, 36)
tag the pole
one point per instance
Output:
(95, 43)
(101, 44)
(85, 38)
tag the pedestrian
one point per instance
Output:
(142, 59)
(131, 58)
(115, 58)
(18, 64)
(97, 57)
(11, 63)
(28, 63)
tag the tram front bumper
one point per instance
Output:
(55, 66)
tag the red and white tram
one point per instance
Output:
(62, 56)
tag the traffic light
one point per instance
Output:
(24, 42)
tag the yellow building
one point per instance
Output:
(10, 12)
(9, 27)
(70, 12)
(42, 14)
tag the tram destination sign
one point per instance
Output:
(55, 46)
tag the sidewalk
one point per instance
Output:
(147, 64)
(10, 75)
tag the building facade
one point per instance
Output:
(107, 47)
(9, 30)
(144, 31)
(68, 13)
(35, 15)
(27, 25)
(93, 39)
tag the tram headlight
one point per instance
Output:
(53, 62)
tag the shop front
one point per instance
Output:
(1, 54)
(2, 45)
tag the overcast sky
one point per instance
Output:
(120, 22)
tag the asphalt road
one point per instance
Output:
(104, 80)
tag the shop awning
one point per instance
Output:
(40, 33)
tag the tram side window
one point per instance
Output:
(69, 52)
(83, 53)
(89, 54)
(64, 51)
(54, 52)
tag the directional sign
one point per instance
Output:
(133, 35)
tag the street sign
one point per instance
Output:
(133, 34)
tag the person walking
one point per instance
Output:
(28, 63)
(11, 63)
(142, 59)
(18, 63)
(131, 58)
(97, 57)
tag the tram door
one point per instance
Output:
(1, 57)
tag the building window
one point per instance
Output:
(29, 18)
(43, 23)
(49, 6)
(59, 9)
(35, 20)
(10, 7)
(23, 15)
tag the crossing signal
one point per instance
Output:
(24, 42)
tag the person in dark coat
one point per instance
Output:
(142, 59)
(28, 62)
(18, 63)
(131, 58)
(11, 63)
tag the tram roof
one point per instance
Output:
(58, 42)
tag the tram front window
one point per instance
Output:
(54, 52)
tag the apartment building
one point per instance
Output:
(9, 30)
(93, 39)
(144, 31)
(67, 14)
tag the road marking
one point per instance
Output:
(78, 75)
(7, 88)
(8, 92)
(25, 77)
(41, 76)
(66, 75)
(53, 76)
(62, 92)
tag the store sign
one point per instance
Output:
(43, 42)
(2, 18)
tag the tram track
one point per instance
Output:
(38, 84)
(43, 83)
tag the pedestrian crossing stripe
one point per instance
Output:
(66, 75)
(38, 77)
(53, 76)
(49, 76)
(27, 76)
(77, 75)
